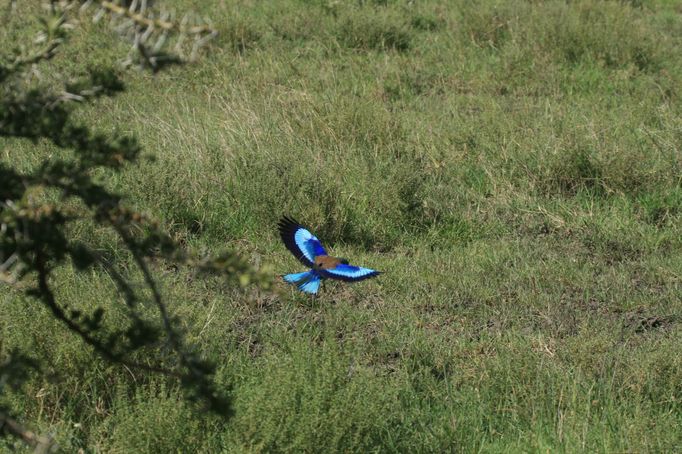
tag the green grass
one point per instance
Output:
(515, 170)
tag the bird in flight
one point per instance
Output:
(308, 249)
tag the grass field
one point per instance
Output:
(514, 169)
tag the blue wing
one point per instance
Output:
(306, 281)
(349, 273)
(295, 278)
(304, 245)
(312, 286)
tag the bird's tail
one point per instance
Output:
(307, 281)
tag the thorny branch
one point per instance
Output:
(139, 17)
(34, 233)
(47, 297)
(150, 31)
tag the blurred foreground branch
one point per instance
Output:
(38, 207)
(41, 444)
(157, 36)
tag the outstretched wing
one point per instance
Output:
(348, 273)
(304, 245)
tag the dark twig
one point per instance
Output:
(48, 298)
(40, 443)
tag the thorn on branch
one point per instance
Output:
(138, 16)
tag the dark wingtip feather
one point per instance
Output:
(287, 227)
(287, 224)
